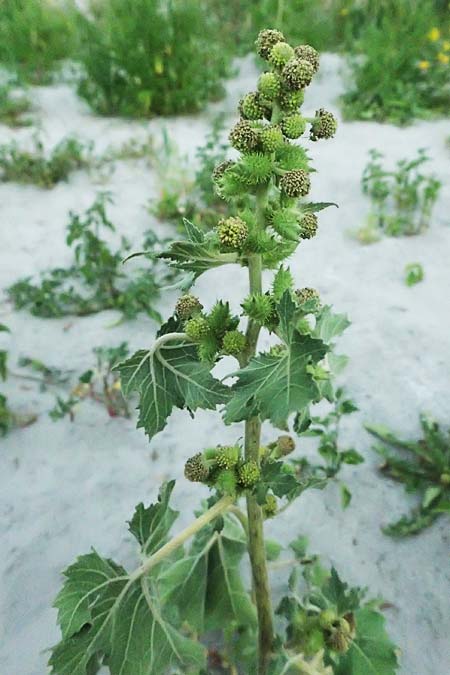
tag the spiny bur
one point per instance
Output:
(308, 53)
(248, 474)
(196, 469)
(233, 342)
(267, 39)
(228, 456)
(324, 125)
(295, 183)
(309, 225)
(187, 305)
(280, 54)
(197, 328)
(233, 232)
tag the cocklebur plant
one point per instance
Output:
(153, 620)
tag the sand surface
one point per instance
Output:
(67, 486)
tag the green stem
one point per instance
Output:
(252, 444)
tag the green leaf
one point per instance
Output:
(103, 612)
(170, 376)
(299, 546)
(314, 207)
(274, 386)
(198, 253)
(151, 525)
(351, 457)
(206, 583)
(431, 495)
(183, 583)
(4, 329)
(346, 496)
(330, 325)
(3, 364)
(226, 598)
(339, 594)
(371, 652)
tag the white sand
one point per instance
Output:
(66, 487)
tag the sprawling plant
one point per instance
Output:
(153, 619)
(401, 200)
(95, 281)
(423, 466)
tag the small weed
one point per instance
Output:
(35, 35)
(100, 384)
(13, 108)
(8, 418)
(34, 167)
(180, 197)
(423, 467)
(413, 274)
(95, 281)
(142, 57)
(402, 200)
(326, 428)
(400, 71)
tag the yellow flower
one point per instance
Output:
(344, 11)
(446, 45)
(424, 65)
(434, 34)
(443, 58)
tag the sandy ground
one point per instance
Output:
(67, 486)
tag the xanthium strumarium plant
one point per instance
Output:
(153, 619)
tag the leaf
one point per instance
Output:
(198, 253)
(351, 457)
(4, 329)
(226, 598)
(103, 612)
(274, 386)
(413, 523)
(371, 652)
(299, 546)
(184, 582)
(151, 525)
(346, 496)
(330, 325)
(314, 207)
(431, 495)
(206, 583)
(339, 594)
(3, 364)
(170, 376)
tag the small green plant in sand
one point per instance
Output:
(414, 274)
(39, 168)
(9, 419)
(326, 428)
(423, 467)
(35, 35)
(180, 196)
(148, 57)
(14, 107)
(187, 591)
(95, 281)
(400, 70)
(99, 383)
(401, 200)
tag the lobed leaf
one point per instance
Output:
(151, 525)
(170, 376)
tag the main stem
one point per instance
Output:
(252, 444)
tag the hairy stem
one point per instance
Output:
(252, 443)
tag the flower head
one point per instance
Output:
(434, 34)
